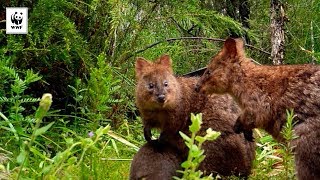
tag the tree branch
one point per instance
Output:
(184, 31)
(190, 38)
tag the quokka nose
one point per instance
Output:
(161, 98)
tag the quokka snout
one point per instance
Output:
(264, 93)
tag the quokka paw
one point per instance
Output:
(248, 135)
(147, 134)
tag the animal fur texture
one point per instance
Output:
(264, 93)
(166, 102)
(155, 162)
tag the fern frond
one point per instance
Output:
(32, 77)
(5, 99)
(19, 86)
(29, 100)
(11, 72)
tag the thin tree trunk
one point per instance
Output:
(313, 59)
(244, 11)
(277, 31)
(231, 8)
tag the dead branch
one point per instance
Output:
(191, 38)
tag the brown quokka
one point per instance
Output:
(155, 162)
(166, 102)
(265, 93)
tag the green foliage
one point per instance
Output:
(67, 157)
(82, 52)
(273, 159)
(78, 96)
(287, 150)
(102, 88)
(11, 100)
(298, 32)
(196, 154)
(27, 147)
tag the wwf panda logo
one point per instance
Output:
(16, 18)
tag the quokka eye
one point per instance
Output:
(208, 72)
(165, 83)
(151, 86)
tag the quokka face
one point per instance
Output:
(156, 85)
(218, 76)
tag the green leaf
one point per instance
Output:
(212, 135)
(198, 153)
(86, 141)
(184, 136)
(41, 164)
(38, 153)
(194, 148)
(115, 147)
(47, 169)
(21, 157)
(69, 141)
(196, 123)
(201, 158)
(122, 140)
(43, 129)
(106, 129)
(99, 132)
(200, 139)
(186, 164)
(72, 160)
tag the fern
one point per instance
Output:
(14, 99)
(32, 77)
(102, 87)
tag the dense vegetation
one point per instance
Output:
(83, 52)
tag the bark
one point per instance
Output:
(277, 17)
(231, 8)
(244, 13)
(239, 10)
(313, 58)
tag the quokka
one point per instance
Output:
(155, 162)
(264, 93)
(166, 102)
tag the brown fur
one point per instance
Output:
(229, 154)
(265, 93)
(155, 162)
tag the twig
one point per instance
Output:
(255, 48)
(190, 38)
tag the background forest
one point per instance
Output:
(83, 53)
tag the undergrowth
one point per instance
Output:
(83, 53)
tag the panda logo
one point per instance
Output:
(16, 18)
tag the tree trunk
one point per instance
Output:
(277, 31)
(232, 8)
(244, 12)
(313, 58)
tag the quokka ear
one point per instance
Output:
(233, 47)
(140, 65)
(166, 61)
